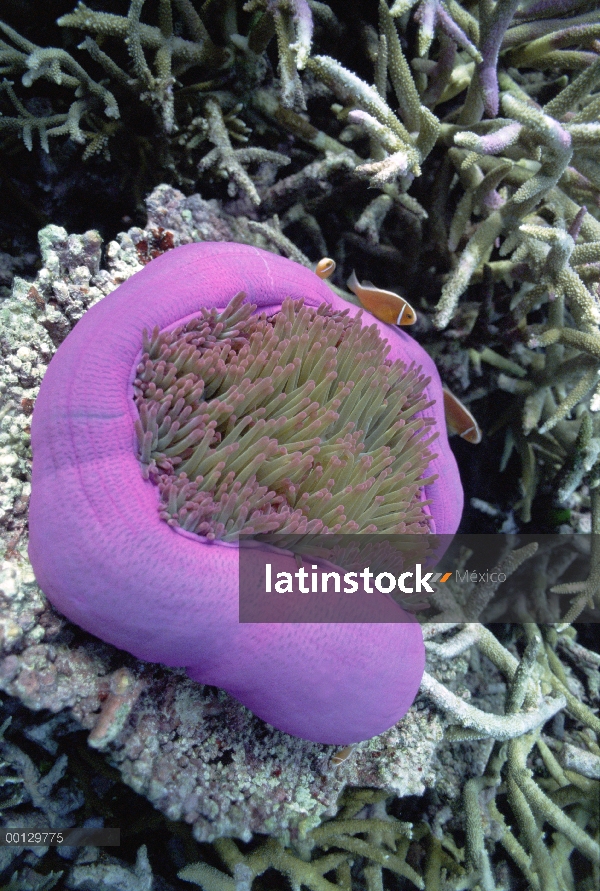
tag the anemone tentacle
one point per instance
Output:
(313, 427)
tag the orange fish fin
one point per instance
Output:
(459, 419)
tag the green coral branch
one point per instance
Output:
(536, 51)
(590, 589)
(532, 799)
(52, 125)
(574, 92)
(55, 65)
(586, 341)
(543, 805)
(146, 37)
(273, 236)
(172, 55)
(579, 391)
(291, 22)
(555, 143)
(399, 72)
(407, 140)
(540, 856)
(352, 90)
(386, 846)
(229, 161)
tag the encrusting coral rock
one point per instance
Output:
(104, 556)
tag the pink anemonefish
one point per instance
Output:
(459, 419)
(341, 755)
(325, 267)
(384, 305)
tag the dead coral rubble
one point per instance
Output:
(198, 755)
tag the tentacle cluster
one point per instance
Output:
(291, 423)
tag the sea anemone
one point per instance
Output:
(174, 417)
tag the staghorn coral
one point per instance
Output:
(508, 772)
(292, 23)
(37, 62)
(386, 843)
(182, 116)
(228, 160)
(49, 807)
(101, 876)
(173, 55)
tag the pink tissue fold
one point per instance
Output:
(105, 559)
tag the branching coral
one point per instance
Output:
(52, 808)
(228, 160)
(530, 780)
(385, 845)
(173, 54)
(471, 50)
(291, 22)
(23, 57)
(508, 773)
(555, 142)
(405, 140)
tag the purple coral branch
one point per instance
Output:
(440, 73)
(494, 31)
(493, 200)
(496, 142)
(576, 224)
(426, 15)
(454, 31)
(433, 13)
(547, 8)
